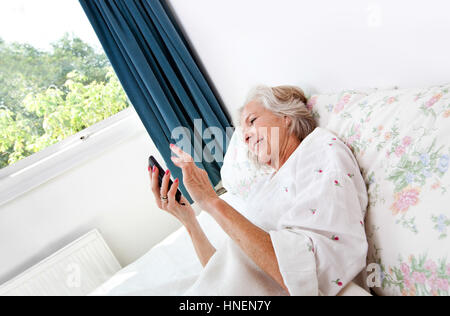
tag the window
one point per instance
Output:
(55, 79)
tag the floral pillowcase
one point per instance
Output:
(401, 141)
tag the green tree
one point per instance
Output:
(48, 96)
(71, 53)
(25, 69)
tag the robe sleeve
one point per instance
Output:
(320, 241)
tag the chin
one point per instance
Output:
(264, 159)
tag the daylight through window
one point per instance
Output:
(55, 79)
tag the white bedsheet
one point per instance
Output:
(172, 266)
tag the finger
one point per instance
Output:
(173, 191)
(185, 157)
(181, 163)
(155, 186)
(178, 162)
(165, 184)
(150, 174)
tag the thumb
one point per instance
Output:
(187, 168)
(181, 162)
(177, 162)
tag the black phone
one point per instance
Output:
(153, 162)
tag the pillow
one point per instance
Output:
(238, 172)
(400, 139)
(325, 106)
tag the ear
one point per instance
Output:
(287, 120)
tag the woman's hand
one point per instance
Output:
(184, 213)
(195, 179)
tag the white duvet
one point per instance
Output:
(172, 266)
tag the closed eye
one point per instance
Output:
(252, 120)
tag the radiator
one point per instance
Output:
(75, 270)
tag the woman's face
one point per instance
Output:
(263, 131)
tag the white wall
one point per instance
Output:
(110, 192)
(321, 45)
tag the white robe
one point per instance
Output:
(313, 208)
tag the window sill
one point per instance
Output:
(50, 162)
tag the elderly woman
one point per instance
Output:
(302, 232)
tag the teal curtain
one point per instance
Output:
(158, 72)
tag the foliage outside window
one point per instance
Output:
(46, 96)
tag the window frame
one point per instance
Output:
(50, 162)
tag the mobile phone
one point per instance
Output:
(153, 162)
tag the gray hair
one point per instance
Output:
(287, 101)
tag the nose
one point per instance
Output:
(248, 134)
